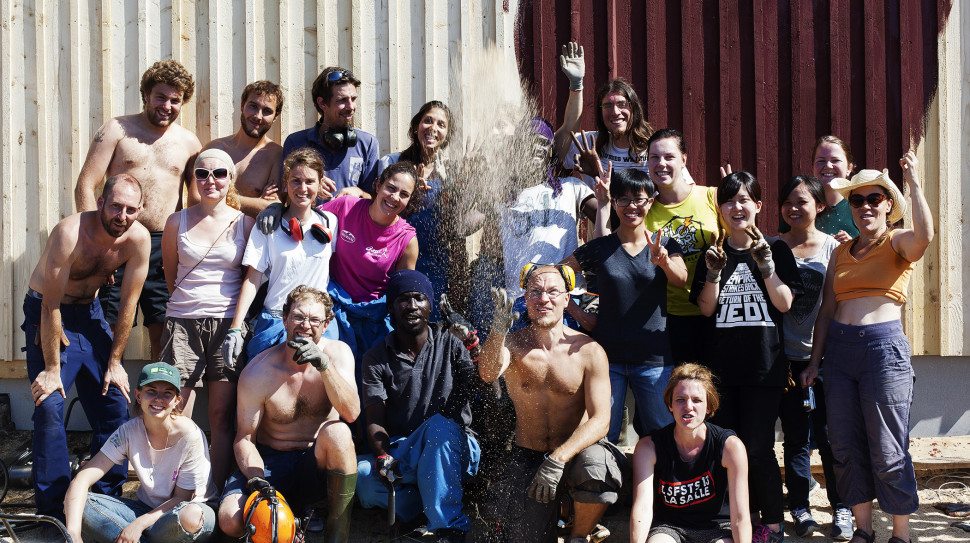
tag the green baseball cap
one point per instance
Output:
(159, 371)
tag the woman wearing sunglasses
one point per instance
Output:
(632, 268)
(868, 371)
(202, 249)
(296, 254)
(747, 282)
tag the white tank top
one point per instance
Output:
(208, 287)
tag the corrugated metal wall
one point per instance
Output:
(755, 82)
(66, 67)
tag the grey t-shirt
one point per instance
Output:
(437, 381)
(800, 320)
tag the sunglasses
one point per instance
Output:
(337, 75)
(219, 173)
(874, 199)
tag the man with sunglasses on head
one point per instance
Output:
(350, 155)
(295, 401)
(558, 380)
(256, 155)
(159, 153)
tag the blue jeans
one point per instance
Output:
(106, 516)
(84, 361)
(433, 462)
(647, 383)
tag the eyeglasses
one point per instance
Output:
(619, 104)
(219, 173)
(315, 322)
(538, 293)
(626, 202)
(874, 199)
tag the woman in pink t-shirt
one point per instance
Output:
(372, 241)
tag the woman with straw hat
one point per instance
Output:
(868, 373)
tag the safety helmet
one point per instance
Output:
(269, 519)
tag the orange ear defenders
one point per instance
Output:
(268, 519)
(320, 232)
(567, 273)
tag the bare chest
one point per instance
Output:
(154, 163)
(254, 172)
(547, 374)
(304, 404)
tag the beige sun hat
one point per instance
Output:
(867, 178)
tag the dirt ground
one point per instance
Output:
(942, 471)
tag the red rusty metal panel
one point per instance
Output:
(753, 82)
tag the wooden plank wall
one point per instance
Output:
(754, 83)
(66, 67)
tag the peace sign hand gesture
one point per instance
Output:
(761, 251)
(715, 258)
(658, 253)
(602, 187)
(587, 160)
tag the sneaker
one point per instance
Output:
(763, 534)
(805, 525)
(842, 524)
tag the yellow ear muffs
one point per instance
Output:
(567, 273)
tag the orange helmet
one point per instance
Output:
(269, 519)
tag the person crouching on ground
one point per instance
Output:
(685, 471)
(170, 456)
(559, 382)
(289, 435)
(417, 383)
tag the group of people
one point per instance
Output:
(299, 284)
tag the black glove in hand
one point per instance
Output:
(543, 487)
(308, 352)
(258, 484)
(270, 218)
(761, 252)
(504, 316)
(459, 326)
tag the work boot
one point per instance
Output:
(340, 496)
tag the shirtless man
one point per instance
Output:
(257, 157)
(293, 400)
(558, 380)
(157, 152)
(68, 338)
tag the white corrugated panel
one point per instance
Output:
(66, 67)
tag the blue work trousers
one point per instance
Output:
(83, 362)
(433, 462)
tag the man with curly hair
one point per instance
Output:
(157, 152)
(256, 155)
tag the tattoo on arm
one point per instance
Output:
(99, 135)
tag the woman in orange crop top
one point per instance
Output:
(868, 373)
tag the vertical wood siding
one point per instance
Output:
(754, 83)
(67, 67)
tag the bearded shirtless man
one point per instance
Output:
(257, 157)
(291, 436)
(558, 381)
(68, 338)
(157, 152)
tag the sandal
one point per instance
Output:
(867, 537)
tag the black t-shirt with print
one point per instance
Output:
(691, 494)
(747, 345)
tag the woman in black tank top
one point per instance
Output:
(684, 472)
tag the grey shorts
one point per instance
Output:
(693, 535)
(194, 346)
(595, 475)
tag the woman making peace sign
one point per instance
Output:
(631, 267)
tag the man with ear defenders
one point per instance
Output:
(350, 155)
